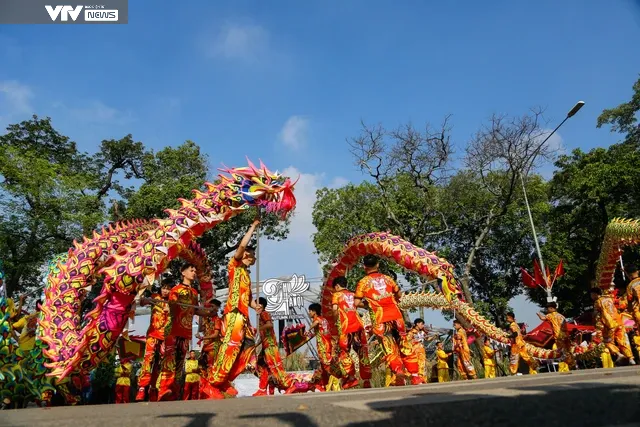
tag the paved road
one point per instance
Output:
(599, 398)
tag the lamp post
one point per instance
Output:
(570, 114)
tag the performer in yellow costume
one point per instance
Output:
(610, 323)
(560, 334)
(633, 298)
(518, 349)
(489, 360)
(461, 348)
(192, 379)
(27, 326)
(123, 381)
(442, 364)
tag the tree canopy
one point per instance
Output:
(474, 214)
(52, 193)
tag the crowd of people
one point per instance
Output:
(170, 370)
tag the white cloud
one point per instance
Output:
(339, 182)
(555, 143)
(294, 132)
(16, 97)
(244, 42)
(97, 112)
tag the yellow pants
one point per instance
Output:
(605, 357)
(443, 375)
(489, 371)
(517, 352)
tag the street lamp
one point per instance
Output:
(570, 114)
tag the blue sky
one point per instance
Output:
(289, 81)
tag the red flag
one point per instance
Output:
(559, 270)
(558, 273)
(537, 272)
(527, 279)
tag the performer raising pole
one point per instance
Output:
(257, 297)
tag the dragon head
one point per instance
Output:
(251, 186)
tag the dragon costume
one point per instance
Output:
(129, 256)
(429, 266)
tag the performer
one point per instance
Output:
(442, 364)
(416, 359)
(352, 335)
(123, 381)
(518, 349)
(489, 359)
(609, 321)
(178, 332)
(633, 294)
(321, 330)
(234, 353)
(560, 333)
(269, 360)
(27, 325)
(461, 348)
(192, 380)
(210, 334)
(382, 294)
(154, 345)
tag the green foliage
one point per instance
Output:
(587, 191)
(104, 376)
(342, 213)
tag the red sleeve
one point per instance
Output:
(233, 263)
(265, 316)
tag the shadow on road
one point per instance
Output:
(196, 420)
(598, 406)
(291, 418)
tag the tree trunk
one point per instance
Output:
(472, 256)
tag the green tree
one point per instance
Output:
(51, 193)
(504, 249)
(476, 217)
(587, 191)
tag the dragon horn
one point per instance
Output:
(264, 168)
(252, 166)
(297, 179)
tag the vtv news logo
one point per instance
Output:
(90, 14)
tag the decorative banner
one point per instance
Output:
(293, 338)
(284, 295)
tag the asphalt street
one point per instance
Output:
(599, 398)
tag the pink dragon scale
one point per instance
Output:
(128, 258)
(430, 266)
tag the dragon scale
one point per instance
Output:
(138, 259)
(619, 233)
(428, 265)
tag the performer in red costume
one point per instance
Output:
(154, 347)
(179, 328)
(269, 361)
(236, 350)
(210, 333)
(322, 331)
(382, 295)
(352, 335)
